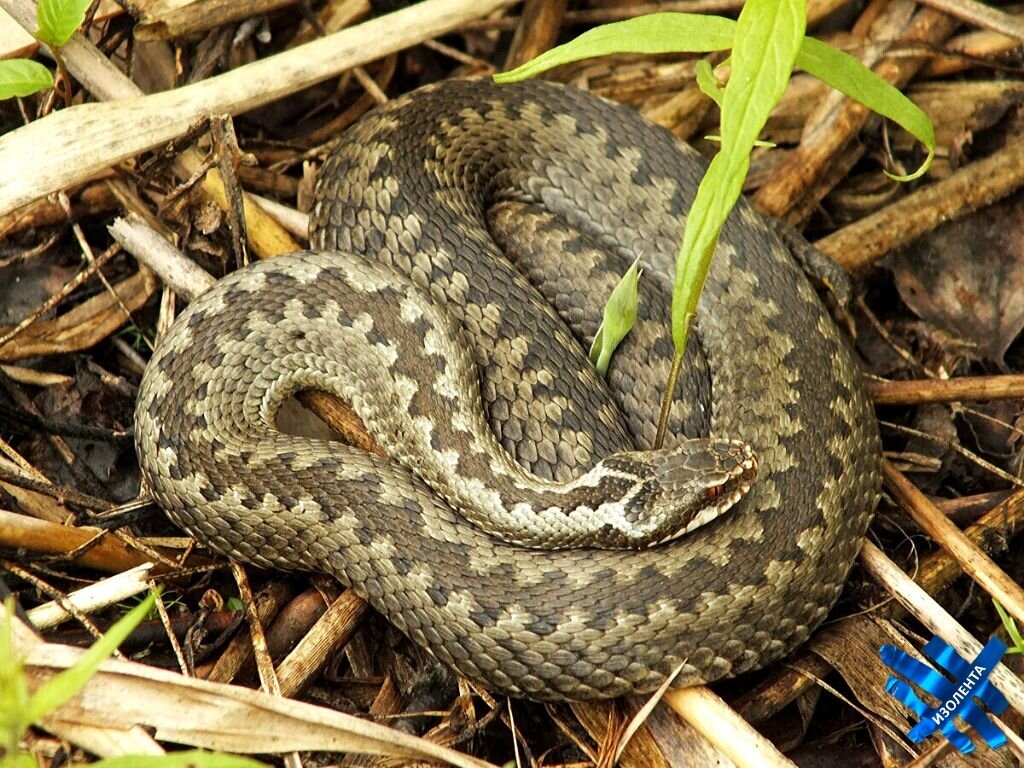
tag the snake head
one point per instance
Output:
(680, 489)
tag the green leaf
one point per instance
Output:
(768, 35)
(758, 143)
(667, 33)
(682, 32)
(195, 757)
(707, 82)
(58, 20)
(1011, 628)
(14, 694)
(654, 33)
(23, 77)
(59, 689)
(845, 73)
(619, 317)
(767, 40)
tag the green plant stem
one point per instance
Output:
(11, 739)
(62, 82)
(669, 394)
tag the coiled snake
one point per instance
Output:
(431, 191)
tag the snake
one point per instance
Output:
(464, 238)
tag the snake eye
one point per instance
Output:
(715, 492)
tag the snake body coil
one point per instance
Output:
(438, 195)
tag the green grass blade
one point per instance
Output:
(59, 689)
(654, 33)
(845, 73)
(1011, 628)
(13, 685)
(23, 77)
(58, 19)
(768, 35)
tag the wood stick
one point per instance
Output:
(981, 15)
(974, 186)
(841, 120)
(87, 138)
(971, 557)
(716, 722)
(960, 389)
(163, 21)
(920, 604)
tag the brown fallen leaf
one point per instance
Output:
(967, 278)
(852, 647)
(212, 715)
(82, 327)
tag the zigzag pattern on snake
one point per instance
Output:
(514, 209)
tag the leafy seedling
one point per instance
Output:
(766, 41)
(57, 21)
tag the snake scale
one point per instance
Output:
(508, 213)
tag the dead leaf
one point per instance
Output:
(85, 325)
(217, 716)
(967, 278)
(852, 647)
